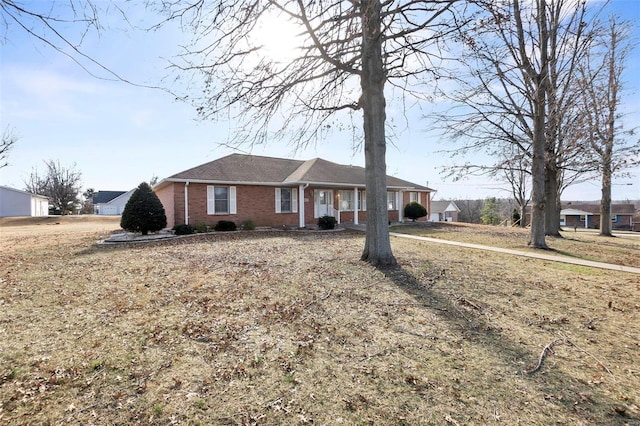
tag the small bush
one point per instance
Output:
(327, 222)
(414, 210)
(183, 229)
(225, 225)
(248, 225)
(202, 227)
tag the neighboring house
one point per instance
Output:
(443, 211)
(110, 202)
(14, 202)
(588, 216)
(276, 192)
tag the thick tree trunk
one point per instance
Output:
(537, 234)
(552, 203)
(605, 201)
(377, 249)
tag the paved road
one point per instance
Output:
(543, 256)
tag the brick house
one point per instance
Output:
(277, 192)
(588, 216)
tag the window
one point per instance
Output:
(286, 200)
(391, 200)
(347, 202)
(221, 200)
(582, 218)
(414, 197)
(362, 200)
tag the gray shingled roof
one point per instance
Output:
(101, 197)
(268, 170)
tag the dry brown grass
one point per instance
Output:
(624, 249)
(291, 328)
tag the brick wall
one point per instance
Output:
(254, 202)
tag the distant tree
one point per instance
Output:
(469, 210)
(144, 212)
(87, 205)
(414, 210)
(9, 138)
(489, 214)
(60, 184)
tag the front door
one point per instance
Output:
(323, 203)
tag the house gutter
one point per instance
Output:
(186, 202)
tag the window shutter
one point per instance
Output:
(294, 200)
(278, 204)
(232, 200)
(211, 200)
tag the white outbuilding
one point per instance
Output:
(14, 202)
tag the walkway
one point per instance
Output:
(542, 256)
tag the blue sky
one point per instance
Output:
(119, 135)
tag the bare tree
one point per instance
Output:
(613, 150)
(349, 53)
(517, 60)
(60, 184)
(9, 139)
(516, 171)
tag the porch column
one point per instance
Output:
(186, 203)
(400, 205)
(355, 206)
(301, 223)
(586, 221)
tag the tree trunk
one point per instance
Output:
(377, 249)
(552, 203)
(605, 201)
(537, 234)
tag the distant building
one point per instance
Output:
(588, 216)
(14, 202)
(110, 203)
(443, 211)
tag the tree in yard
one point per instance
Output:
(9, 138)
(349, 53)
(143, 212)
(60, 184)
(414, 210)
(489, 214)
(611, 148)
(516, 71)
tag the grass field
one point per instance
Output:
(292, 328)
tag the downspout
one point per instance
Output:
(186, 203)
(301, 221)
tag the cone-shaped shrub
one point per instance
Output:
(144, 212)
(414, 211)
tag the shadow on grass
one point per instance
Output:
(578, 398)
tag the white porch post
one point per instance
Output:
(586, 221)
(400, 205)
(186, 203)
(355, 206)
(301, 223)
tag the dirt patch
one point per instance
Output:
(291, 328)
